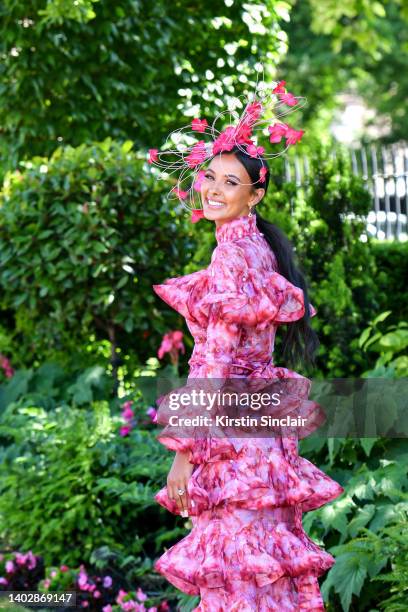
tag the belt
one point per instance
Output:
(255, 365)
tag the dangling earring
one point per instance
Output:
(250, 212)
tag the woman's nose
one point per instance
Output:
(215, 188)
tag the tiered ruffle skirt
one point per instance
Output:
(247, 550)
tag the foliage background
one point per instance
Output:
(85, 230)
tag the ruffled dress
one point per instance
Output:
(247, 550)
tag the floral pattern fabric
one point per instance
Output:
(247, 550)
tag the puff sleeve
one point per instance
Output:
(250, 296)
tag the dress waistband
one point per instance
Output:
(255, 365)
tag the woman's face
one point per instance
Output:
(226, 190)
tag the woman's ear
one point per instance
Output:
(256, 196)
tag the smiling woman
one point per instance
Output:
(227, 190)
(247, 550)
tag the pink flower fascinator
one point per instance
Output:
(252, 123)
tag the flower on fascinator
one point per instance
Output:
(288, 99)
(262, 173)
(153, 155)
(196, 215)
(243, 134)
(199, 125)
(182, 195)
(252, 112)
(199, 180)
(254, 151)
(293, 136)
(280, 88)
(276, 131)
(225, 141)
(198, 154)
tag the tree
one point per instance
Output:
(77, 72)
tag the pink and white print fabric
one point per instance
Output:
(247, 550)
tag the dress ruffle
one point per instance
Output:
(256, 477)
(237, 546)
(257, 299)
(294, 402)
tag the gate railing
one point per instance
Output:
(384, 171)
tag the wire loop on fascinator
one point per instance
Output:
(188, 149)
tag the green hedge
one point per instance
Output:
(83, 235)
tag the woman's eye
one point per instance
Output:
(232, 182)
(208, 176)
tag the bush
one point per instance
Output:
(71, 484)
(84, 234)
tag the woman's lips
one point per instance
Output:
(214, 204)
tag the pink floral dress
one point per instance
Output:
(247, 550)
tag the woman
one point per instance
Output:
(247, 550)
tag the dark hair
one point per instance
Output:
(300, 341)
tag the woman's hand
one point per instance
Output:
(178, 478)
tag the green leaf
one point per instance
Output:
(127, 146)
(367, 444)
(348, 575)
(381, 317)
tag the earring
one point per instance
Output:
(250, 212)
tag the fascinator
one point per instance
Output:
(188, 149)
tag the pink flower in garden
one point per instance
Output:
(293, 136)
(82, 579)
(196, 215)
(172, 343)
(120, 596)
(20, 559)
(97, 594)
(199, 179)
(277, 131)
(5, 364)
(164, 606)
(279, 87)
(128, 414)
(53, 574)
(127, 404)
(27, 558)
(3, 580)
(199, 125)
(32, 560)
(262, 174)
(47, 583)
(107, 582)
(85, 604)
(182, 195)
(153, 155)
(9, 567)
(288, 99)
(254, 151)
(197, 155)
(64, 568)
(152, 413)
(140, 595)
(125, 430)
(107, 608)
